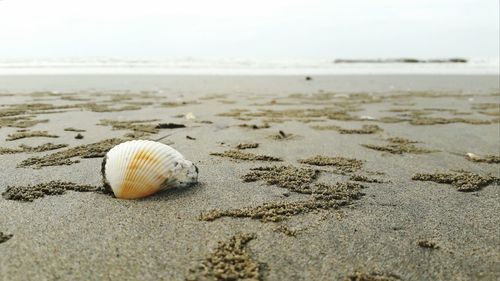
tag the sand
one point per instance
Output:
(376, 207)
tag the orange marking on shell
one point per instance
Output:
(129, 192)
(129, 189)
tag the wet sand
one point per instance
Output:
(333, 178)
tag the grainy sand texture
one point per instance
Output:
(328, 178)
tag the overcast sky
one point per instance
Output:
(257, 29)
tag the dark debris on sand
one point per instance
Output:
(229, 261)
(4, 237)
(235, 154)
(93, 150)
(247, 145)
(170, 126)
(461, 180)
(282, 136)
(32, 192)
(342, 164)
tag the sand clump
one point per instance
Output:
(365, 129)
(93, 150)
(484, 106)
(391, 119)
(177, 103)
(44, 108)
(399, 146)
(32, 192)
(33, 108)
(30, 149)
(247, 145)
(342, 164)
(20, 121)
(425, 243)
(289, 177)
(340, 191)
(322, 197)
(143, 126)
(238, 155)
(372, 276)
(29, 134)
(254, 126)
(71, 129)
(272, 211)
(441, 120)
(300, 180)
(139, 128)
(95, 107)
(230, 260)
(286, 230)
(233, 113)
(309, 114)
(362, 178)
(461, 180)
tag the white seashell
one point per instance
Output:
(139, 168)
(190, 116)
(366, 117)
(473, 156)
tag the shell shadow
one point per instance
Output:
(175, 193)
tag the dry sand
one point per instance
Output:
(316, 226)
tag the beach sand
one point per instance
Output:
(354, 195)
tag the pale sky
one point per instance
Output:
(257, 29)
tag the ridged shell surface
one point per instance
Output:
(139, 168)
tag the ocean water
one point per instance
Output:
(190, 66)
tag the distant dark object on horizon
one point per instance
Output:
(308, 78)
(401, 60)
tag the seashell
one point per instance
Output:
(367, 117)
(139, 168)
(190, 116)
(473, 156)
